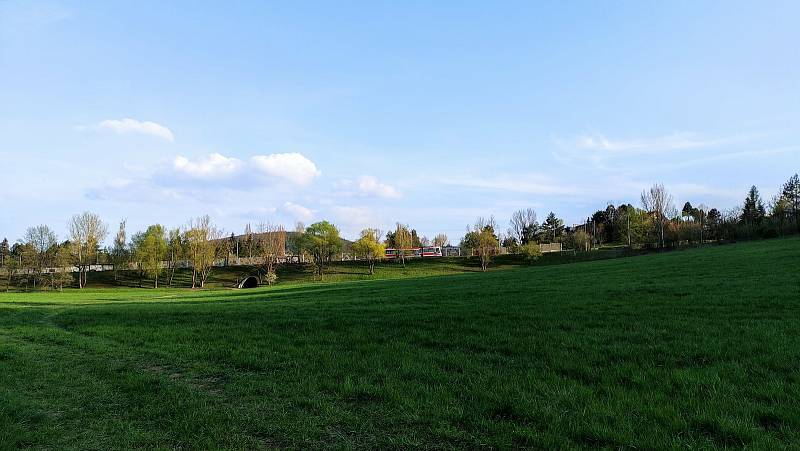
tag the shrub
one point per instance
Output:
(530, 251)
(270, 278)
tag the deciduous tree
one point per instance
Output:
(369, 247)
(270, 244)
(322, 241)
(523, 226)
(203, 243)
(485, 240)
(42, 242)
(86, 232)
(403, 241)
(658, 202)
(440, 240)
(119, 253)
(151, 252)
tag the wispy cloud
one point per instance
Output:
(597, 151)
(676, 141)
(519, 183)
(132, 126)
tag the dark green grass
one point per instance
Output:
(696, 348)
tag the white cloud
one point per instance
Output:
(371, 186)
(367, 185)
(293, 167)
(298, 212)
(127, 125)
(214, 166)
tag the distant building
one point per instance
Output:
(451, 251)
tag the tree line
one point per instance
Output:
(39, 259)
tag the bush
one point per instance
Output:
(530, 251)
(270, 278)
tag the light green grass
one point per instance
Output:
(695, 348)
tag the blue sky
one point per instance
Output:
(429, 113)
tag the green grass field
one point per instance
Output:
(694, 348)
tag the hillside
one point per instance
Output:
(696, 348)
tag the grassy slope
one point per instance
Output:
(226, 277)
(691, 348)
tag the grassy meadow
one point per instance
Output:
(694, 348)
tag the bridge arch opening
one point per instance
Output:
(249, 282)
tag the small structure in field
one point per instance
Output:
(249, 282)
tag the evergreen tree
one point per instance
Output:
(753, 211)
(687, 210)
(553, 228)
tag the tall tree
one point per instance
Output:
(248, 241)
(323, 242)
(369, 247)
(176, 248)
(403, 241)
(440, 240)
(43, 242)
(86, 232)
(686, 212)
(485, 243)
(203, 242)
(270, 243)
(119, 253)
(552, 228)
(62, 261)
(294, 241)
(700, 216)
(791, 192)
(151, 252)
(753, 210)
(658, 202)
(523, 226)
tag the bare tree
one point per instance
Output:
(440, 240)
(44, 244)
(203, 242)
(175, 250)
(86, 232)
(522, 222)
(119, 251)
(658, 202)
(270, 242)
(297, 243)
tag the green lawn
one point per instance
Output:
(695, 348)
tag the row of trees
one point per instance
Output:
(40, 258)
(660, 224)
